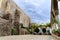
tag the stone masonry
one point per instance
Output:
(5, 27)
(54, 13)
(12, 13)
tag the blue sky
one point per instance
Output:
(38, 10)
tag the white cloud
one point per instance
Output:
(40, 21)
(38, 10)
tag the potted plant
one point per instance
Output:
(56, 32)
(53, 31)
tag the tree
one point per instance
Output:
(47, 24)
(34, 25)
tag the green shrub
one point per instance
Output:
(14, 31)
(58, 30)
(54, 31)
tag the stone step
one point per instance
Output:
(27, 37)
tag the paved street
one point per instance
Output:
(27, 37)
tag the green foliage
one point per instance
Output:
(34, 25)
(58, 30)
(47, 24)
(55, 21)
(53, 31)
(40, 25)
(14, 31)
(30, 30)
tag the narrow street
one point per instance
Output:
(27, 37)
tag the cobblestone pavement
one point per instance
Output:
(27, 37)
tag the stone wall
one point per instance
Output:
(5, 27)
(24, 19)
(54, 13)
(16, 15)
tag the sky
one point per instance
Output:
(37, 10)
